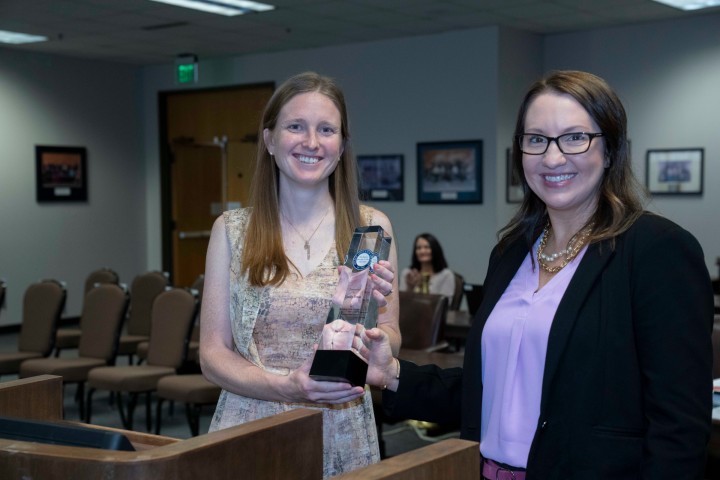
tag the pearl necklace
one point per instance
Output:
(573, 247)
(553, 256)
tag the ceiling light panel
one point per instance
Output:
(221, 7)
(17, 38)
(690, 4)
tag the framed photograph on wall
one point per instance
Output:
(675, 171)
(381, 177)
(450, 172)
(61, 174)
(513, 189)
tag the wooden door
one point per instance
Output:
(212, 142)
(197, 200)
(240, 171)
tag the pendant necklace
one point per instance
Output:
(306, 240)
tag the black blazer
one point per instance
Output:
(628, 375)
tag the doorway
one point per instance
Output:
(208, 147)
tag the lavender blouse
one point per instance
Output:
(514, 344)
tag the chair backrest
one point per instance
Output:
(198, 285)
(102, 275)
(102, 318)
(97, 277)
(474, 296)
(173, 316)
(422, 319)
(459, 292)
(43, 304)
(143, 291)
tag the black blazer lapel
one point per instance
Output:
(568, 311)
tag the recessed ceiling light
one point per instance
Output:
(690, 4)
(221, 7)
(18, 38)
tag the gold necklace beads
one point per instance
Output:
(576, 243)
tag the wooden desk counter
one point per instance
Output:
(452, 458)
(287, 445)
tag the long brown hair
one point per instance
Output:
(263, 257)
(621, 196)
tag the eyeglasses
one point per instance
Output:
(569, 143)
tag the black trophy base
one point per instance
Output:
(339, 366)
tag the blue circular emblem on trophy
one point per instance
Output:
(364, 259)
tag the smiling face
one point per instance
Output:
(306, 141)
(565, 183)
(423, 251)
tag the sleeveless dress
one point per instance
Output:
(275, 329)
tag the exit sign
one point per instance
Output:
(186, 69)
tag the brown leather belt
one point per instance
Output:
(492, 470)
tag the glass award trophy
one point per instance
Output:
(352, 303)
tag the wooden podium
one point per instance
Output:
(452, 458)
(278, 447)
(285, 446)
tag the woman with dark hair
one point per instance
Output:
(590, 356)
(428, 271)
(272, 269)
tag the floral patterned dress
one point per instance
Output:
(275, 328)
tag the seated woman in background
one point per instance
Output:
(428, 262)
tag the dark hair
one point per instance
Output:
(438, 257)
(263, 253)
(621, 196)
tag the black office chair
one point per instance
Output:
(422, 320)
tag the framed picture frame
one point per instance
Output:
(61, 174)
(513, 187)
(382, 177)
(677, 171)
(450, 172)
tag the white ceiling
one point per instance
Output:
(142, 32)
